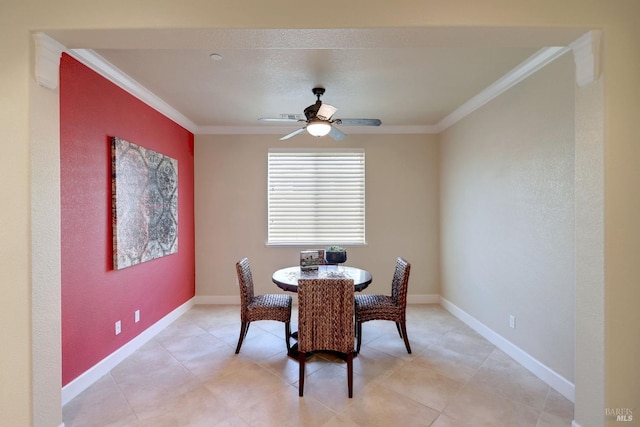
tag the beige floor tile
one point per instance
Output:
(288, 368)
(446, 421)
(423, 384)
(340, 421)
(101, 404)
(380, 406)
(263, 345)
(197, 407)
(392, 344)
(190, 347)
(503, 375)
(217, 363)
(481, 408)
(421, 337)
(242, 388)
(557, 409)
(150, 358)
(550, 420)
(210, 316)
(286, 408)
(464, 340)
(271, 326)
(375, 329)
(230, 330)
(181, 327)
(458, 366)
(376, 365)
(189, 375)
(155, 390)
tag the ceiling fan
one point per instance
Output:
(319, 121)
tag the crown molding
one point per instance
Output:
(47, 61)
(586, 47)
(532, 64)
(101, 66)
(586, 54)
(277, 130)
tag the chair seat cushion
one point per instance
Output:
(270, 307)
(377, 307)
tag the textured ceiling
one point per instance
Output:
(404, 77)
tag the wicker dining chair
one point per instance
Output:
(260, 307)
(325, 322)
(386, 307)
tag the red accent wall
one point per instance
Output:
(94, 295)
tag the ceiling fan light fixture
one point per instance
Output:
(319, 127)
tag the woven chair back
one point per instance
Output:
(245, 281)
(400, 282)
(325, 315)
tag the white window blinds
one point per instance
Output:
(316, 197)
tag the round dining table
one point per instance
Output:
(287, 278)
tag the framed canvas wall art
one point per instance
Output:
(144, 204)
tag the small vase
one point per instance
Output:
(339, 257)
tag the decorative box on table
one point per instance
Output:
(309, 260)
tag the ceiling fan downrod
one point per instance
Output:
(318, 91)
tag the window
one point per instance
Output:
(316, 197)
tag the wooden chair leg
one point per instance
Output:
(287, 335)
(301, 359)
(350, 373)
(406, 338)
(398, 327)
(243, 331)
(359, 336)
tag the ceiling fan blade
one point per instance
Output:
(326, 111)
(359, 122)
(312, 110)
(294, 133)
(336, 134)
(287, 118)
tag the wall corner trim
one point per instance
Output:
(47, 61)
(535, 62)
(586, 54)
(546, 374)
(116, 76)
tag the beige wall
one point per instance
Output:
(508, 244)
(231, 210)
(621, 84)
(590, 294)
(46, 257)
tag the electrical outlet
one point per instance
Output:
(118, 327)
(137, 316)
(512, 321)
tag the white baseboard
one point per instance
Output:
(103, 367)
(546, 374)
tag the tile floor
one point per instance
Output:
(188, 375)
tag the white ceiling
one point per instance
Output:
(410, 78)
